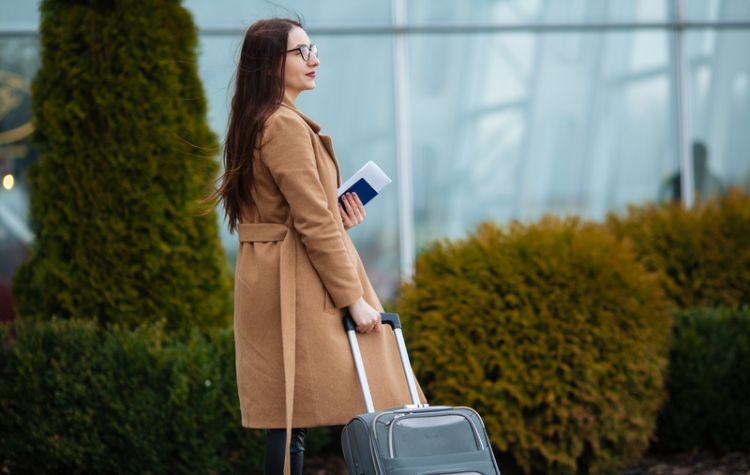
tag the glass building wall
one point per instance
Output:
(484, 109)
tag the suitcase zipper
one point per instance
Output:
(374, 438)
(394, 422)
(472, 410)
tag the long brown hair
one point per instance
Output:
(258, 91)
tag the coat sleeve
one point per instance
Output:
(288, 154)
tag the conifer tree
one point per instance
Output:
(125, 154)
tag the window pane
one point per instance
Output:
(19, 14)
(426, 12)
(713, 10)
(242, 13)
(516, 125)
(719, 83)
(19, 61)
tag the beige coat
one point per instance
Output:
(296, 269)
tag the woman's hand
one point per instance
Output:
(355, 210)
(366, 318)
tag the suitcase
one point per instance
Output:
(415, 439)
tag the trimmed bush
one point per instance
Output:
(708, 382)
(76, 398)
(125, 153)
(84, 400)
(702, 255)
(552, 331)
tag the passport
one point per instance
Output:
(367, 183)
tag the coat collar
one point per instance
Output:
(288, 103)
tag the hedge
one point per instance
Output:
(708, 382)
(77, 398)
(702, 254)
(552, 331)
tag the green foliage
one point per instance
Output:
(77, 398)
(702, 255)
(125, 152)
(708, 382)
(552, 331)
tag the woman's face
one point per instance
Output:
(297, 69)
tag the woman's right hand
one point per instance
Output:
(365, 317)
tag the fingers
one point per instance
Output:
(375, 325)
(354, 207)
(359, 204)
(349, 208)
(345, 217)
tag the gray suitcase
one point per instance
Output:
(416, 439)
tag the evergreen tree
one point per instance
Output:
(125, 154)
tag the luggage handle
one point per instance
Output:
(391, 319)
(394, 321)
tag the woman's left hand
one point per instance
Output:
(355, 210)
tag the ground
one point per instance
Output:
(693, 463)
(679, 464)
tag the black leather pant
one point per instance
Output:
(273, 462)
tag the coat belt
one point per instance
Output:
(268, 232)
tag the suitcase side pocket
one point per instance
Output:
(418, 435)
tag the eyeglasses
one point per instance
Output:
(305, 50)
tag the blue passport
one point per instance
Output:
(363, 190)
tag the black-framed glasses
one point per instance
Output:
(305, 50)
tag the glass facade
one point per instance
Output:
(483, 109)
(513, 125)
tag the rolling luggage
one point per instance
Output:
(416, 439)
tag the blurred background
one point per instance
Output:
(476, 109)
(588, 160)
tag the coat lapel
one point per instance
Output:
(327, 142)
(326, 139)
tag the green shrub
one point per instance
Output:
(708, 382)
(76, 398)
(125, 152)
(552, 331)
(702, 255)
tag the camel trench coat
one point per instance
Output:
(296, 269)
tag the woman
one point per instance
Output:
(296, 267)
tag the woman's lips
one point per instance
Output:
(311, 75)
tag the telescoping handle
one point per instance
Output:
(395, 323)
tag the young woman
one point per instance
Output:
(296, 266)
